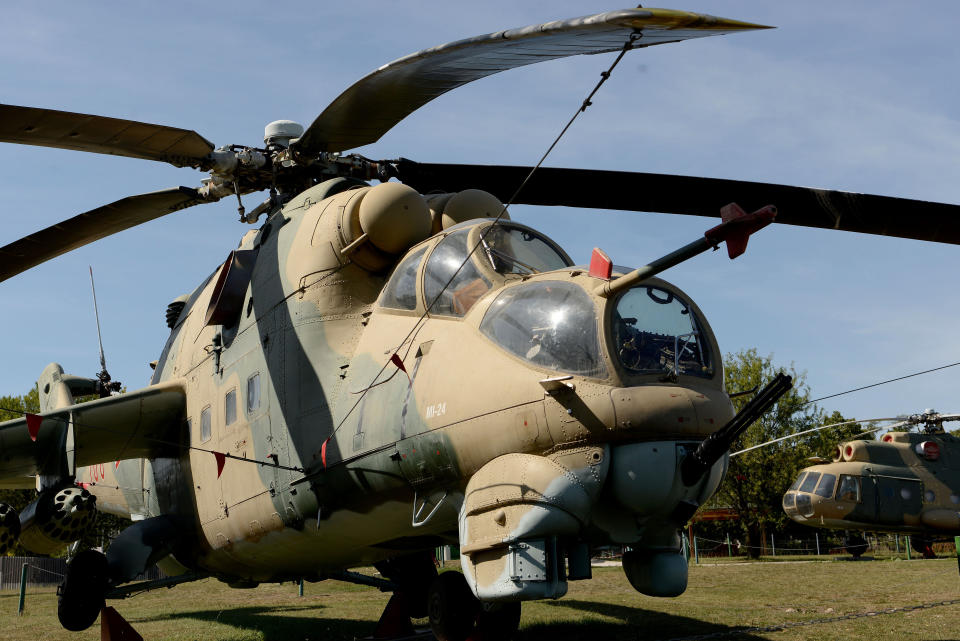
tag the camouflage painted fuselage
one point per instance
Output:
(310, 331)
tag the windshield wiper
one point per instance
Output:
(491, 252)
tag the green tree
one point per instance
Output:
(756, 480)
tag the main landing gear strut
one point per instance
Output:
(456, 615)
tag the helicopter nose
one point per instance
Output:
(670, 411)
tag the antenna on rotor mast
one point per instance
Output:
(104, 384)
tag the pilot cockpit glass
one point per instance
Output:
(401, 290)
(810, 482)
(451, 281)
(549, 323)
(825, 487)
(655, 332)
(796, 484)
(517, 250)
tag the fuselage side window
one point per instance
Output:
(253, 393)
(205, 425)
(230, 407)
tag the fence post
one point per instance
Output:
(773, 545)
(729, 548)
(906, 542)
(897, 539)
(696, 552)
(23, 589)
(300, 588)
(686, 551)
(817, 534)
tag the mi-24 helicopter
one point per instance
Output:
(907, 482)
(388, 363)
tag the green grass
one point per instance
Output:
(720, 598)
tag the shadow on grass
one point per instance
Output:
(635, 623)
(271, 624)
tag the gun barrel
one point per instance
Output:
(717, 444)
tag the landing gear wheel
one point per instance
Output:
(452, 608)
(498, 621)
(923, 545)
(855, 545)
(81, 595)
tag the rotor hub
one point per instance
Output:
(281, 132)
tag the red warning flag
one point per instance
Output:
(396, 360)
(221, 461)
(323, 453)
(33, 425)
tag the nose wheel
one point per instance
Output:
(457, 615)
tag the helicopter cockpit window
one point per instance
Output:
(551, 324)
(515, 250)
(810, 482)
(849, 488)
(401, 290)
(825, 487)
(656, 333)
(465, 287)
(796, 484)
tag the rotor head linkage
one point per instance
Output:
(735, 229)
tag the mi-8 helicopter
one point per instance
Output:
(908, 482)
(343, 474)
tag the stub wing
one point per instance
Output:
(143, 424)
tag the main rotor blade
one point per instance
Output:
(102, 135)
(95, 224)
(373, 105)
(804, 206)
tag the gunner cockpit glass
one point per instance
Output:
(655, 332)
(549, 323)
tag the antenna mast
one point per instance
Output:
(104, 384)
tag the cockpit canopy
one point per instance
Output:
(461, 267)
(554, 322)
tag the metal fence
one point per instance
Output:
(43, 572)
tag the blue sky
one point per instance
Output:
(859, 96)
